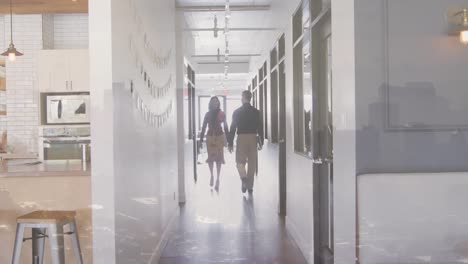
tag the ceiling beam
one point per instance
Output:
(221, 8)
(230, 29)
(44, 7)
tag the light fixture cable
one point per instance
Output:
(11, 21)
(11, 52)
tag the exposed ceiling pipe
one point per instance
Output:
(230, 55)
(219, 8)
(231, 29)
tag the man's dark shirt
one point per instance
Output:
(246, 120)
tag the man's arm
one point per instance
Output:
(260, 128)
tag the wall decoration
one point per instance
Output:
(148, 61)
(160, 61)
(153, 119)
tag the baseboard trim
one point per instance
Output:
(297, 238)
(157, 253)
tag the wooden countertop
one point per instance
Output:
(32, 168)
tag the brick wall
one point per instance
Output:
(22, 107)
(71, 31)
(3, 119)
(32, 33)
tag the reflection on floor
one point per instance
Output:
(228, 227)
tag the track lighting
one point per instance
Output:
(215, 28)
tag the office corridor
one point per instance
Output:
(228, 227)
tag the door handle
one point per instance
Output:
(321, 161)
(317, 161)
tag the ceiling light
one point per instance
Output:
(11, 52)
(464, 37)
(464, 33)
(458, 20)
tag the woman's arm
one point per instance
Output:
(205, 124)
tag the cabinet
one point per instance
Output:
(63, 71)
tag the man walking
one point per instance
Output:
(247, 121)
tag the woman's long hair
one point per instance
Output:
(214, 107)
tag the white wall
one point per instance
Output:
(413, 218)
(137, 160)
(22, 102)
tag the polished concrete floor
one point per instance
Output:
(226, 226)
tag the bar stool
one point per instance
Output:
(41, 222)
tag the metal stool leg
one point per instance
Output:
(76, 243)
(18, 244)
(56, 244)
(38, 240)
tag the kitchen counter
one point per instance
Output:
(33, 168)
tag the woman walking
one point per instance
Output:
(215, 120)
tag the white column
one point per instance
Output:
(345, 130)
(100, 52)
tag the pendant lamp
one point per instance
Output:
(11, 52)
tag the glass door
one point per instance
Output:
(322, 135)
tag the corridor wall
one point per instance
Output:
(135, 162)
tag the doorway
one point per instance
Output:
(322, 134)
(192, 134)
(278, 116)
